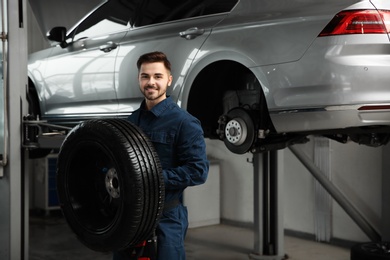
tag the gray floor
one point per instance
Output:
(51, 239)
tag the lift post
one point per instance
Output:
(14, 180)
(268, 208)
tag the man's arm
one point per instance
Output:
(192, 159)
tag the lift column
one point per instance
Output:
(13, 178)
(268, 208)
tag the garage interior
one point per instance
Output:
(222, 212)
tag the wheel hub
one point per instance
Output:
(112, 183)
(236, 131)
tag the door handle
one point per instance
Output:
(192, 33)
(108, 47)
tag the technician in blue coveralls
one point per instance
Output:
(178, 139)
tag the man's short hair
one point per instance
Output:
(151, 57)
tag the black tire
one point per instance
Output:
(371, 251)
(239, 131)
(110, 184)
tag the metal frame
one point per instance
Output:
(14, 183)
(40, 134)
(268, 210)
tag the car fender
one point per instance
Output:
(201, 61)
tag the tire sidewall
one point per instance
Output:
(111, 143)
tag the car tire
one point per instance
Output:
(370, 251)
(110, 184)
(239, 131)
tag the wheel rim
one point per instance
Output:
(236, 131)
(94, 188)
(239, 131)
(112, 183)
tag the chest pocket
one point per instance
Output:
(161, 137)
(164, 143)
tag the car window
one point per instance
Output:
(110, 17)
(157, 11)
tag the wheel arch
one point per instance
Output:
(210, 79)
(34, 107)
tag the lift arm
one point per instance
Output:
(40, 134)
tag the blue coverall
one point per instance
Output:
(178, 139)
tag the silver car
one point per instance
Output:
(259, 74)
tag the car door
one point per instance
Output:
(177, 28)
(79, 78)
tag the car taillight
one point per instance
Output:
(374, 107)
(358, 22)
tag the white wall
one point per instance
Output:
(35, 38)
(299, 193)
(236, 176)
(357, 171)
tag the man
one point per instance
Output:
(178, 139)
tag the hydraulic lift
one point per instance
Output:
(268, 210)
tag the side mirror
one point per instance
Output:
(57, 34)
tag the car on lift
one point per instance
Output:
(258, 74)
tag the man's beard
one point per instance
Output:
(151, 98)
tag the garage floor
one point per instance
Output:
(51, 239)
